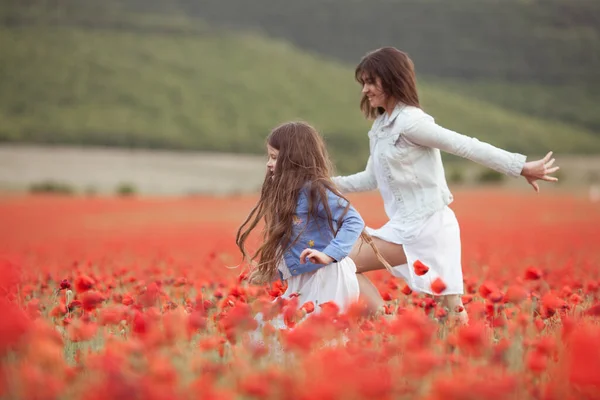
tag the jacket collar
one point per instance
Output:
(390, 120)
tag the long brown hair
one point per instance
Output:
(397, 73)
(302, 161)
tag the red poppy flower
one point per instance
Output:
(420, 268)
(533, 274)
(438, 286)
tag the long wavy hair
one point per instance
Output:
(303, 161)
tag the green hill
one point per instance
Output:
(175, 83)
(537, 57)
(574, 104)
(544, 41)
(526, 56)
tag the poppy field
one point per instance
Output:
(140, 298)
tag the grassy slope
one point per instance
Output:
(567, 103)
(536, 57)
(200, 88)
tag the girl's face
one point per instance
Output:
(374, 91)
(272, 159)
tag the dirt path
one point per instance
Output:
(149, 171)
(153, 172)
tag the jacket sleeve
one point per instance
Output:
(422, 130)
(360, 182)
(349, 231)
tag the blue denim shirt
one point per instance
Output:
(317, 234)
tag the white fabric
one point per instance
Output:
(406, 165)
(436, 243)
(285, 271)
(335, 282)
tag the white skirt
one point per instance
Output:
(436, 243)
(335, 282)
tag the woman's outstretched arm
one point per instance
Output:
(360, 182)
(422, 130)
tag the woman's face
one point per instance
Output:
(373, 90)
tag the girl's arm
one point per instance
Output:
(360, 182)
(351, 227)
(422, 130)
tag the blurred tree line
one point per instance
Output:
(546, 41)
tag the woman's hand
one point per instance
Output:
(539, 170)
(315, 257)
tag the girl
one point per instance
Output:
(305, 218)
(406, 166)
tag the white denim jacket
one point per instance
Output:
(405, 163)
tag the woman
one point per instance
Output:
(406, 166)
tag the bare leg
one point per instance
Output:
(369, 293)
(456, 308)
(365, 259)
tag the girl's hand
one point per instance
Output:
(315, 257)
(539, 170)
